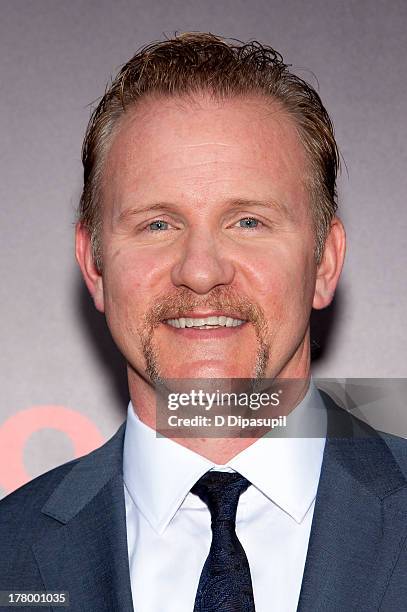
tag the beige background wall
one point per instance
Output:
(55, 59)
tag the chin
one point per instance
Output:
(209, 370)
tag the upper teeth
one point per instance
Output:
(211, 321)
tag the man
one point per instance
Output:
(206, 234)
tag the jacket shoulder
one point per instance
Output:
(25, 503)
(22, 524)
(28, 515)
(23, 506)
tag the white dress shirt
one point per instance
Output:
(168, 528)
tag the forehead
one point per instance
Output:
(180, 144)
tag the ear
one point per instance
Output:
(330, 267)
(90, 273)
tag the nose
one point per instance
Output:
(202, 265)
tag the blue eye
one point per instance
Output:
(158, 225)
(248, 222)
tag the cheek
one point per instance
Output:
(124, 308)
(283, 284)
(121, 285)
(130, 282)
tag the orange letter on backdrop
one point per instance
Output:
(16, 430)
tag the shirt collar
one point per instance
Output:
(159, 472)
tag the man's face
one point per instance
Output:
(206, 214)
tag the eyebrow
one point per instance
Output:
(279, 207)
(132, 212)
(276, 205)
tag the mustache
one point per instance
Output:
(226, 299)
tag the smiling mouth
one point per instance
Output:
(212, 322)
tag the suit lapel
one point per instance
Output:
(85, 550)
(359, 524)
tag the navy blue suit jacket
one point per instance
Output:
(66, 530)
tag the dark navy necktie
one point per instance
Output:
(225, 584)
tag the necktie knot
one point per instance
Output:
(221, 492)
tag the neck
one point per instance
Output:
(218, 450)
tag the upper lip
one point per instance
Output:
(202, 314)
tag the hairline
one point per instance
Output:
(191, 95)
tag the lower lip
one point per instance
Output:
(205, 334)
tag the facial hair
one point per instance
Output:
(225, 299)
